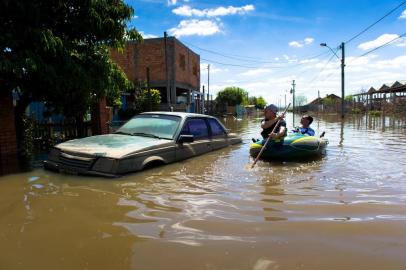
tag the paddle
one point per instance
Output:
(267, 140)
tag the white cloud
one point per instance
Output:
(403, 15)
(295, 44)
(147, 35)
(213, 68)
(172, 2)
(187, 11)
(308, 41)
(195, 27)
(301, 43)
(381, 40)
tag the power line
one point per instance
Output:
(323, 68)
(252, 59)
(377, 48)
(369, 27)
(383, 45)
(236, 65)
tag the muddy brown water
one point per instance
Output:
(344, 211)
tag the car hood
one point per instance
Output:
(112, 145)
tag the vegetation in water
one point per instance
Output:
(375, 113)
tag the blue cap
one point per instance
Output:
(272, 108)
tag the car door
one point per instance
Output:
(218, 134)
(201, 144)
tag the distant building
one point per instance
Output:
(178, 80)
(389, 94)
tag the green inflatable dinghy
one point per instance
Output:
(294, 146)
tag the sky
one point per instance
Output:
(263, 45)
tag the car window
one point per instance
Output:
(196, 127)
(163, 126)
(216, 128)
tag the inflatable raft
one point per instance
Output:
(294, 146)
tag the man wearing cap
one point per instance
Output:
(305, 126)
(269, 122)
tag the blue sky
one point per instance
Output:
(263, 45)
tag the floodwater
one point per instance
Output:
(344, 211)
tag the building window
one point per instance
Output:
(182, 62)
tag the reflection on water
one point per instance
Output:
(346, 210)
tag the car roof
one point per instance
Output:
(180, 114)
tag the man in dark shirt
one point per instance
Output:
(269, 122)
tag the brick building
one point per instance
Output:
(178, 81)
(8, 141)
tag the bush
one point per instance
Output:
(356, 111)
(375, 113)
(147, 102)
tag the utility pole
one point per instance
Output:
(285, 99)
(318, 93)
(342, 47)
(203, 101)
(293, 93)
(342, 79)
(168, 90)
(293, 101)
(208, 88)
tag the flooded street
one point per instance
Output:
(344, 211)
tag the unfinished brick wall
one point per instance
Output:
(8, 139)
(187, 66)
(183, 63)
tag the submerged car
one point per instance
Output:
(148, 139)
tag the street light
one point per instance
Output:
(342, 71)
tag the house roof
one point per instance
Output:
(384, 87)
(333, 96)
(371, 90)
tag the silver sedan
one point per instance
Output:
(148, 139)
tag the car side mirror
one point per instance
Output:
(186, 139)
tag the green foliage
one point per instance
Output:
(149, 101)
(374, 113)
(232, 96)
(27, 143)
(349, 98)
(356, 111)
(57, 51)
(328, 101)
(261, 103)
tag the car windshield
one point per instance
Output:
(151, 125)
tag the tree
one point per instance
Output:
(56, 51)
(149, 100)
(261, 103)
(232, 96)
(300, 100)
(252, 100)
(349, 98)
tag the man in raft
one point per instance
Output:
(269, 122)
(304, 127)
